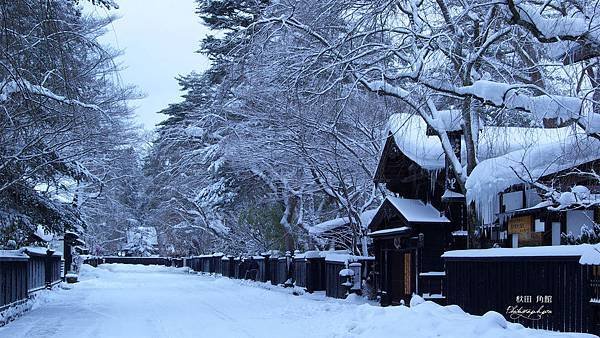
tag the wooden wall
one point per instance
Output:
(495, 284)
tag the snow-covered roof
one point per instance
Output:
(417, 211)
(448, 120)
(392, 231)
(449, 194)
(365, 219)
(43, 235)
(410, 135)
(495, 175)
(587, 253)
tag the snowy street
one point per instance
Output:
(136, 301)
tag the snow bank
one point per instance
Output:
(428, 319)
(89, 272)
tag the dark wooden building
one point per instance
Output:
(526, 219)
(424, 217)
(409, 236)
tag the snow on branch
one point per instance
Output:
(22, 85)
(551, 29)
(499, 94)
(576, 27)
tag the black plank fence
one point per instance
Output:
(134, 260)
(535, 287)
(43, 268)
(23, 273)
(334, 264)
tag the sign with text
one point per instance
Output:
(519, 225)
(530, 307)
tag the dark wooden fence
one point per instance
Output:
(273, 269)
(282, 270)
(333, 280)
(315, 273)
(227, 267)
(218, 263)
(23, 272)
(177, 262)
(545, 292)
(137, 260)
(300, 270)
(43, 268)
(13, 278)
(36, 272)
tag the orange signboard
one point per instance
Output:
(520, 225)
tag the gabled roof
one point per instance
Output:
(411, 211)
(417, 211)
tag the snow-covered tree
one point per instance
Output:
(62, 115)
(496, 63)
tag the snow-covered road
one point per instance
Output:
(134, 301)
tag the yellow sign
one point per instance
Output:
(519, 225)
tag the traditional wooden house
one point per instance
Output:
(409, 236)
(424, 218)
(512, 161)
(514, 194)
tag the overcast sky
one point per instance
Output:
(159, 38)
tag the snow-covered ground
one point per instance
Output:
(136, 301)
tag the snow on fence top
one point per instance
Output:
(365, 219)
(345, 258)
(12, 255)
(492, 176)
(417, 211)
(410, 135)
(589, 254)
(36, 250)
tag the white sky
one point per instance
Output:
(159, 38)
